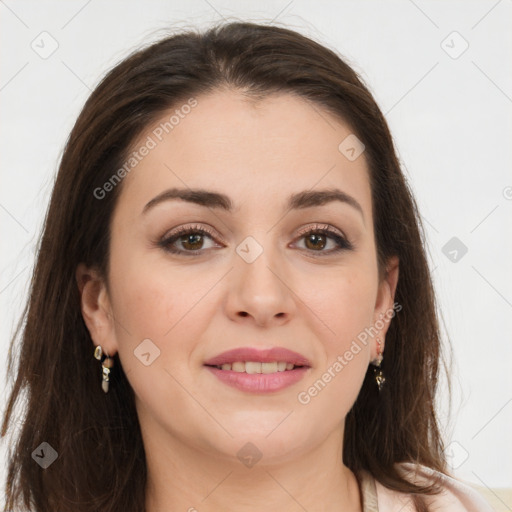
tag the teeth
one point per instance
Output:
(268, 367)
(238, 367)
(252, 367)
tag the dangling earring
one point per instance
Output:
(106, 364)
(379, 375)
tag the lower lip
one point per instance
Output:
(259, 382)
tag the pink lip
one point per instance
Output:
(265, 356)
(259, 382)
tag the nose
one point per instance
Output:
(260, 292)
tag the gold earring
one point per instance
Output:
(106, 364)
(379, 375)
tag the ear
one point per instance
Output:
(96, 309)
(384, 310)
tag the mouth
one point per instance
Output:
(253, 367)
(259, 371)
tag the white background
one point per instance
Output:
(450, 117)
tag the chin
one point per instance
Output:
(259, 450)
(272, 441)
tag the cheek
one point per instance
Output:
(169, 306)
(343, 304)
(343, 313)
(173, 308)
(153, 299)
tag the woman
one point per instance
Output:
(231, 307)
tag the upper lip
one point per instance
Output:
(259, 355)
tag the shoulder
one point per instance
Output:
(456, 496)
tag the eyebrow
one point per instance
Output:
(298, 201)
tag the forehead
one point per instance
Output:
(256, 152)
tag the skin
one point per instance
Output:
(195, 307)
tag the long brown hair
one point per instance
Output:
(101, 461)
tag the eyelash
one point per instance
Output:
(342, 243)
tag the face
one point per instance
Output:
(262, 261)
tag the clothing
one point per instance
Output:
(456, 496)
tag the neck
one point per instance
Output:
(183, 477)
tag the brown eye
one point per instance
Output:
(315, 241)
(324, 240)
(189, 241)
(192, 242)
